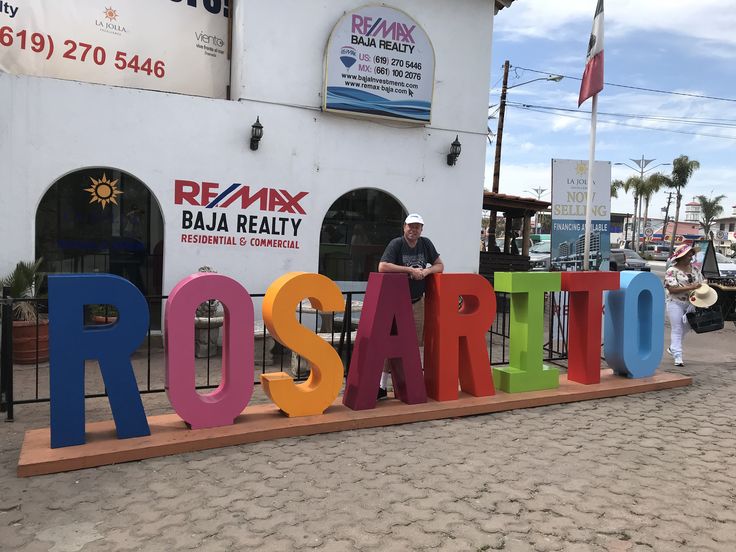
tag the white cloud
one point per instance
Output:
(515, 179)
(527, 146)
(710, 21)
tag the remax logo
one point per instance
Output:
(208, 195)
(382, 28)
(348, 56)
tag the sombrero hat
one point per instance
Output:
(680, 251)
(703, 296)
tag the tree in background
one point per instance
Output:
(651, 185)
(682, 170)
(635, 185)
(616, 185)
(710, 208)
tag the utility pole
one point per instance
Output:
(667, 214)
(499, 139)
(499, 132)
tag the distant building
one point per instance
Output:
(595, 243)
(686, 232)
(724, 232)
(620, 228)
(693, 211)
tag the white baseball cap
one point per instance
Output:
(414, 218)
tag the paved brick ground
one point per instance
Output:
(647, 472)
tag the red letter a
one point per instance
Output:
(387, 306)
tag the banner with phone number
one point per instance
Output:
(169, 45)
(379, 62)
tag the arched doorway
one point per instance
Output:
(102, 220)
(355, 231)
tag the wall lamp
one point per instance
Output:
(256, 133)
(455, 148)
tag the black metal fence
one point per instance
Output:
(28, 383)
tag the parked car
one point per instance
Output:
(726, 266)
(627, 259)
(656, 251)
(539, 256)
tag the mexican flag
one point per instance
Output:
(593, 75)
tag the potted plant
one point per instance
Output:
(103, 314)
(30, 329)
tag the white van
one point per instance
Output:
(655, 251)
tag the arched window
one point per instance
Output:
(102, 220)
(355, 231)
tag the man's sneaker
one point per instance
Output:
(382, 393)
(669, 352)
(678, 360)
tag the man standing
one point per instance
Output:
(417, 257)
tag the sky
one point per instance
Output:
(671, 45)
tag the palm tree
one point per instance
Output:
(682, 170)
(710, 208)
(652, 184)
(632, 184)
(616, 185)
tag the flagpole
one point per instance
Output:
(589, 195)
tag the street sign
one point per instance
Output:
(649, 231)
(722, 235)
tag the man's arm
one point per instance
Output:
(385, 266)
(437, 268)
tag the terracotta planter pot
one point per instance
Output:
(97, 319)
(27, 347)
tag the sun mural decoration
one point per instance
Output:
(111, 14)
(103, 191)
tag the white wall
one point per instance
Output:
(460, 33)
(49, 128)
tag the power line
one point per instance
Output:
(620, 123)
(722, 123)
(644, 89)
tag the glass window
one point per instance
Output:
(102, 220)
(355, 231)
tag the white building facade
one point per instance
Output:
(212, 200)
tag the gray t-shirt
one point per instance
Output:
(423, 254)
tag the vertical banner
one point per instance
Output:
(169, 45)
(569, 197)
(380, 63)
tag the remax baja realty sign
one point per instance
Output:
(455, 356)
(238, 215)
(379, 62)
